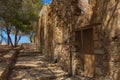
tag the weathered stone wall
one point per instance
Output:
(29, 46)
(107, 39)
(59, 19)
(63, 17)
(45, 33)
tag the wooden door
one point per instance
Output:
(79, 49)
(88, 49)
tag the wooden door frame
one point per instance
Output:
(90, 56)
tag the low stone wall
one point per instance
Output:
(29, 46)
(10, 59)
(4, 46)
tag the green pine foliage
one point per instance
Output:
(22, 14)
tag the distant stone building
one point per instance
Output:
(83, 44)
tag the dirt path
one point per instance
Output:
(32, 66)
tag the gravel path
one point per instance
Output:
(32, 66)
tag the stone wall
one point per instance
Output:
(58, 44)
(29, 46)
(65, 17)
(107, 38)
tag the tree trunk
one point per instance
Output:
(31, 39)
(16, 35)
(18, 39)
(9, 38)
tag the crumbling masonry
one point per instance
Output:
(83, 43)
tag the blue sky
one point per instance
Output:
(46, 1)
(24, 39)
